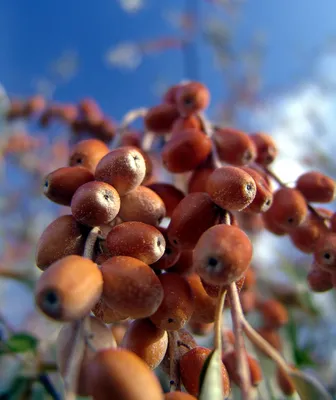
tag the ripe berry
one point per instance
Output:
(88, 153)
(177, 305)
(264, 197)
(186, 151)
(333, 222)
(200, 329)
(275, 315)
(222, 254)
(123, 168)
(69, 288)
(198, 179)
(136, 239)
(231, 188)
(131, 287)
(325, 252)
(271, 336)
(160, 119)
(271, 225)
(62, 237)
(289, 208)
(192, 98)
(184, 264)
(234, 147)
(60, 185)
(147, 341)
(170, 195)
(316, 187)
(182, 124)
(230, 362)
(143, 205)
(179, 396)
(319, 280)
(100, 338)
(120, 374)
(130, 138)
(285, 384)
(266, 148)
(305, 236)
(191, 365)
(95, 203)
(170, 256)
(170, 95)
(205, 306)
(106, 314)
(191, 218)
(248, 300)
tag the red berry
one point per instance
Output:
(316, 187)
(266, 148)
(192, 98)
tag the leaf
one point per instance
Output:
(308, 387)
(211, 385)
(21, 342)
(19, 388)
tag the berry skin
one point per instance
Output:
(170, 195)
(106, 314)
(289, 209)
(170, 95)
(177, 305)
(266, 148)
(186, 151)
(325, 253)
(191, 364)
(131, 287)
(284, 382)
(271, 225)
(222, 254)
(205, 306)
(333, 222)
(231, 188)
(200, 329)
(316, 187)
(191, 218)
(184, 264)
(136, 239)
(147, 341)
(230, 362)
(59, 186)
(95, 203)
(123, 168)
(192, 98)
(182, 124)
(101, 338)
(88, 153)
(234, 147)
(198, 179)
(160, 119)
(319, 280)
(275, 315)
(120, 374)
(179, 396)
(170, 256)
(143, 205)
(61, 295)
(62, 237)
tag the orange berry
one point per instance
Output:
(88, 153)
(179, 396)
(325, 252)
(181, 124)
(160, 119)
(316, 187)
(275, 315)
(170, 256)
(106, 314)
(284, 382)
(170, 195)
(319, 280)
(192, 98)
(199, 178)
(230, 362)
(271, 336)
(266, 148)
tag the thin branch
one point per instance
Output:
(242, 364)
(174, 370)
(219, 319)
(48, 386)
(90, 242)
(127, 120)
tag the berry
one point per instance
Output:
(131, 287)
(62, 237)
(230, 362)
(191, 218)
(160, 119)
(186, 151)
(272, 337)
(88, 153)
(69, 288)
(231, 188)
(184, 264)
(106, 314)
(199, 178)
(181, 124)
(170, 256)
(222, 254)
(60, 185)
(284, 382)
(170, 195)
(316, 187)
(95, 203)
(319, 280)
(143, 205)
(325, 252)
(266, 148)
(177, 305)
(136, 239)
(200, 329)
(178, 396)
(192, 98)
(275, 315)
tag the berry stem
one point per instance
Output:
(147, 141)
(219, 319)
(127, 120)
(259, 342)
(174, 370)
(242, 364)
(48, 386)
(90, 242)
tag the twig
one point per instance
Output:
(90, 242)
(48, 386)
(174, 372)
(147, 141)
(219, 319)
(242, 364)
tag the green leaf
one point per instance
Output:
(211, 385)
(20, 387)
(308, 387)
(21, 342)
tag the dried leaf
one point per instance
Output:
(211, 386)
(308, 387)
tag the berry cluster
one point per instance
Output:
(163, 257)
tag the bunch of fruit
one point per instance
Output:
(162, 256)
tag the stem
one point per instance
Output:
(127, 120)
(219, 319)
(242, 364)
(174, 371)
(263, 345)
(90, 242)
(48, 386)
(147, 141)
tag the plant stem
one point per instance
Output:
(219, 319)
(174, 371)
(90, 242)
(242, 364)
(48, 386)
(263, 345)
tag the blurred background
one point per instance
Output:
(269, 65)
